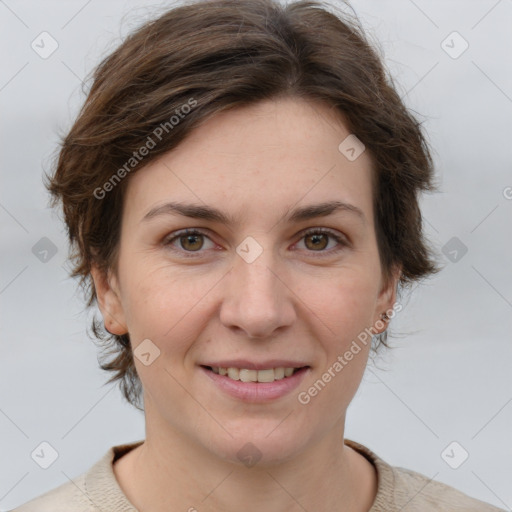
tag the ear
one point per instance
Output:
(109, 302)
(386, 299)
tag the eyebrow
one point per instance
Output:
(213, 214)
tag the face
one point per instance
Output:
(267, 280)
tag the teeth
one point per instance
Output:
(245, 375)
(279, 373)
(233, 373)
(265, 375)
(248, 375)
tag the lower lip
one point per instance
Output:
(257, 391)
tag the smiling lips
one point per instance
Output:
(245, 371)
(247, 375)
(244, 383)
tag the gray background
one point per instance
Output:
(450, 377)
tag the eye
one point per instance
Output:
(188, 240)
(317, 240)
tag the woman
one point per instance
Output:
(241, 192)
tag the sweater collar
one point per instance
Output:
(103, 489)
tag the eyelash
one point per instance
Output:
(194, 232)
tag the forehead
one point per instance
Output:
(266, 156)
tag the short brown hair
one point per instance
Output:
(218, 55)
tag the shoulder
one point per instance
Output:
(404, 489)
(67, 497)
(95, 489)
(423, 493)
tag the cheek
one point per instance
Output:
(167, 311)
(345, 311)
(344, 303)
(165, 304)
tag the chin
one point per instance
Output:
(251, 447)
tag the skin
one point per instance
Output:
(297, 300)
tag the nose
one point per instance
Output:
(257, 299)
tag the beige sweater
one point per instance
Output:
(399, 489)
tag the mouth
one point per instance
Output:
(266, 375)
(261, 385)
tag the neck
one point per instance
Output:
(169, 472)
